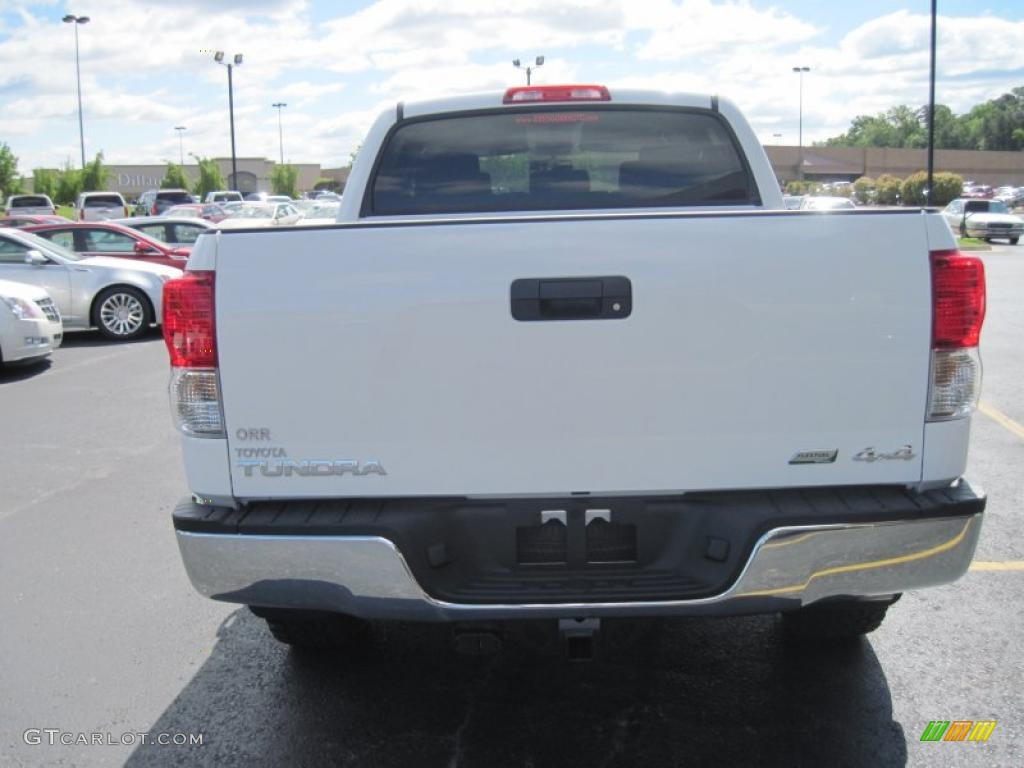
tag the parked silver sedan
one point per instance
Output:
(121, 297)
(177, 231)
(987, 219)
(824, 203)
(269, 214)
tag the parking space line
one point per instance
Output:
(997, 565)
(1002, 419)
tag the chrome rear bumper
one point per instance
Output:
(788, 567)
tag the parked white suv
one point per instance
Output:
(31, 205)
(223, 196)
(100, 206)
(30, 326)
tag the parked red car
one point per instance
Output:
(20, 221)
(98, 238)
(209, 211)
(978, 192)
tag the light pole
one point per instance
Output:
(77, 20)
(235, 62)
(280, 131)
(931, 111)
(181, 147)
(800, 71)
(537, 62)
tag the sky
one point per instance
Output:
(148, 66)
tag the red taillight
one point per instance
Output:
(153, 211)
(541, 93)
(958, 299)
(81, 215)
(189, 324)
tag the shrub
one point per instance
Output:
(95, 175)
(210, 178)
(864, 189)
(10, 179)
(69, 184)
(283, 180)
(174, 178)
(888, 189)
(44, 182)
(947, 186)
(329, 184)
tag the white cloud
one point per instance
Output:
(696, 29)
(147, 67)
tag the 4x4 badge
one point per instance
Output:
(905, 452)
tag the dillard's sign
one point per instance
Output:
(137, 181)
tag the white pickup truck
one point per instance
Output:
(566, 355)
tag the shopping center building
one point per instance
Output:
(253, 175)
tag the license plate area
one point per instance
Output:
(576, 538)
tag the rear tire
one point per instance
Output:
(308, 630)
(1014, 240)
(836, 620)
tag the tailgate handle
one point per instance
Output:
(572, 298)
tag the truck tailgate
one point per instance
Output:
(376, 360)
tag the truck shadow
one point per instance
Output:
(97, 339)
(669, 693)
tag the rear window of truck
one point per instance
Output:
(102, 201)
(29, 201)
(177, 198)
(560, 159)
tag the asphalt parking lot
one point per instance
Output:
(102, 632)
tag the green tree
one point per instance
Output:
(888, 189)
(69, 184)
(864, 189)
(899, 127)
(95, 174)
(908, 128)
(997, 124)
(174, 178)
(866, 131)
(44, 182)
(10, 179)
(210, 178)
(950, 130)
(283, 180)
